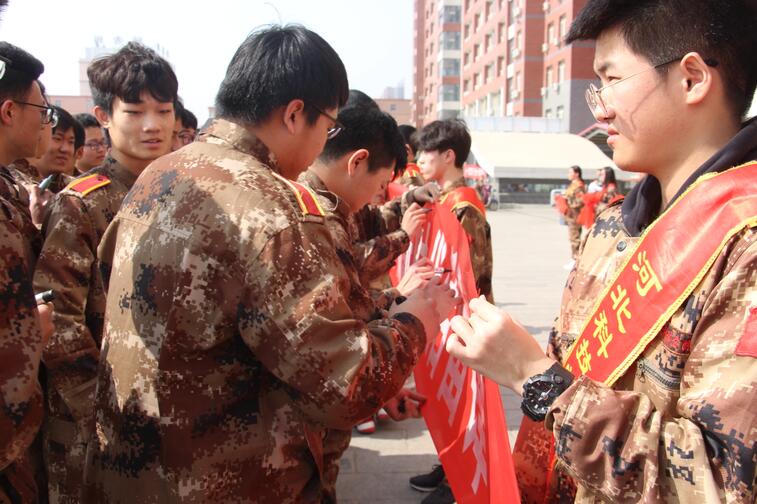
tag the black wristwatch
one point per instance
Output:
(540, 391)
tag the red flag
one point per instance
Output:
(463, 410)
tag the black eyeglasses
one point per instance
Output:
(334, 131)
(49, 115)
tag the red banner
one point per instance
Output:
(463, 410)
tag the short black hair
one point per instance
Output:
(359, 99)
(577, 170)
(276, 65)
(21, 70)
(369, 129)
(87, 120)
(66, 122)
(188, 119)
(128, 73)
(661, 30)
(408, 133)
(447, 134)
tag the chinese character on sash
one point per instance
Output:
(583, 356)
(602, 333)
(647, 276)
(620, 302)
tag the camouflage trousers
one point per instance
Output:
(64, 451)
(574, 235)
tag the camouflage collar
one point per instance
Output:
(338, 205)
(116, 171)
(452, 185)
(242, 140)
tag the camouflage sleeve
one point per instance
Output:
(65, 266)
(384, 298)
(617, 444)
(300, 326)
(20, 344)
(376, 256)
(480, 239)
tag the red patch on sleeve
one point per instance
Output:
(747, 346)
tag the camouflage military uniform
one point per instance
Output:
(20, 352)
(73, 227)
(15, 194)
(574, 198)
(480, 239)
(230, 345)
(680, 425)
(411, 176)
(365, 305)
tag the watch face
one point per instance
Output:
(540, 391)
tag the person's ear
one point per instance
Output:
(7, 111)
(357, 157)
(102, 116)
(696, 78)
(293, 116)
(449, 156)
(79, 153)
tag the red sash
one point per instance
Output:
(461, 197)
(650, 286)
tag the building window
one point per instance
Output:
(561, 71)
(450, 40)
(549, 77)
(392, 107)
(450, 14)
(450, 67)
(560, 112)
(488, 73)
(501, 33)
(548, 113)
(476, 48)
(489, 8)
(551, 34)
(466, 30)
(476, 80)
(466, 58)
(563, 28)
(500, 65)
(489, 41)
(466, 85)
(476, 21)
(449, 92)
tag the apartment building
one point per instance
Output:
(513, 61)
(568, 70)
(437, 54)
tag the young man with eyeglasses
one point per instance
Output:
(230, 345)
(95, 146)
(649, 386)
(24, 326)
(133, 91)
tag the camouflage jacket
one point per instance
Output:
(574, 197)
(230, 345)
(479, 238)
(14, 192)
(72, 229)
(680, 425)
(20, 352)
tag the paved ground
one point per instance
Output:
(530, 249)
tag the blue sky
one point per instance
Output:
(373, 38)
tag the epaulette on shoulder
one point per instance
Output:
(305, 198)
(86, 185)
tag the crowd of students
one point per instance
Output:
(221, 318)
